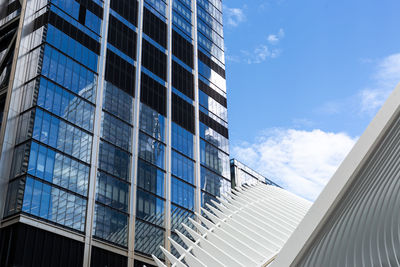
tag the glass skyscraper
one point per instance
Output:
(114, 130)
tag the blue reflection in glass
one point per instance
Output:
(214, 159)
(151, 150)
(65, 137)
(69, 73)
(150, 178)
(150, 208)
(117, 102)
(116, 131)
(58, 169)
(110, 225)
(182, 193)
(112, 192)
(53, 204)
(213, 183)
(149, 238)
(151, 122)
(114, 160)
(182, 167)
(182, 140)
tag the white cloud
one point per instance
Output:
(368, 100)
(301, 161)
(275, 38)
(385, 79)
(233, 16)
(260, 53)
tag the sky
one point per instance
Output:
(304, 80)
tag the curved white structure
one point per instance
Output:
(356, 219)
(248, 228)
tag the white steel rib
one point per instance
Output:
(247, 228)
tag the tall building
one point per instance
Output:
(242, 174)
(113, 127)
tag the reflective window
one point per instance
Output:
(213, 183)
(150, 208)
(182, 167)
(65, 104)
(65, 137)
(182, 193)
(92, 22)
(206, 198)
(182, 140)
(116, 131)
(158, 5)
(74, 23)
(112, 192)
(120, 72)
(205, 29)
(152, 122)
(182, 51)
(182, 9)
(69, 73)
(211, 115)
(151, 150)
(71, 47)
(154, 60)
(148, 239)
(211, 9)
(110, 225)
(53, 204)
(182, 25)
(212, 137)
(117, 102)
(70, 7)
(214, 159)
(58, 169)
(150, 178)
(127, 9)
(201, 13)
(213, 106)
(152, 93)
(188, 3)
(211, 75)
(179, 216)
(114, 160)
(122, 38)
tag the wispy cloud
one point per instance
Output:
(368, 100)
(260, 53)
(275, 38)
(385, 79)
(301, 161)
(265, 4)
(234, 16)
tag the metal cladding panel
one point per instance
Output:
(247, 228)
(364, 228)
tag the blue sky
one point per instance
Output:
(304, 80)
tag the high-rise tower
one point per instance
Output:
(113, 127)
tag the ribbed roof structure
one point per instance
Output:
(355, 221)
(247, 228)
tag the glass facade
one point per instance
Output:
(120, 133)
(241, 174)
